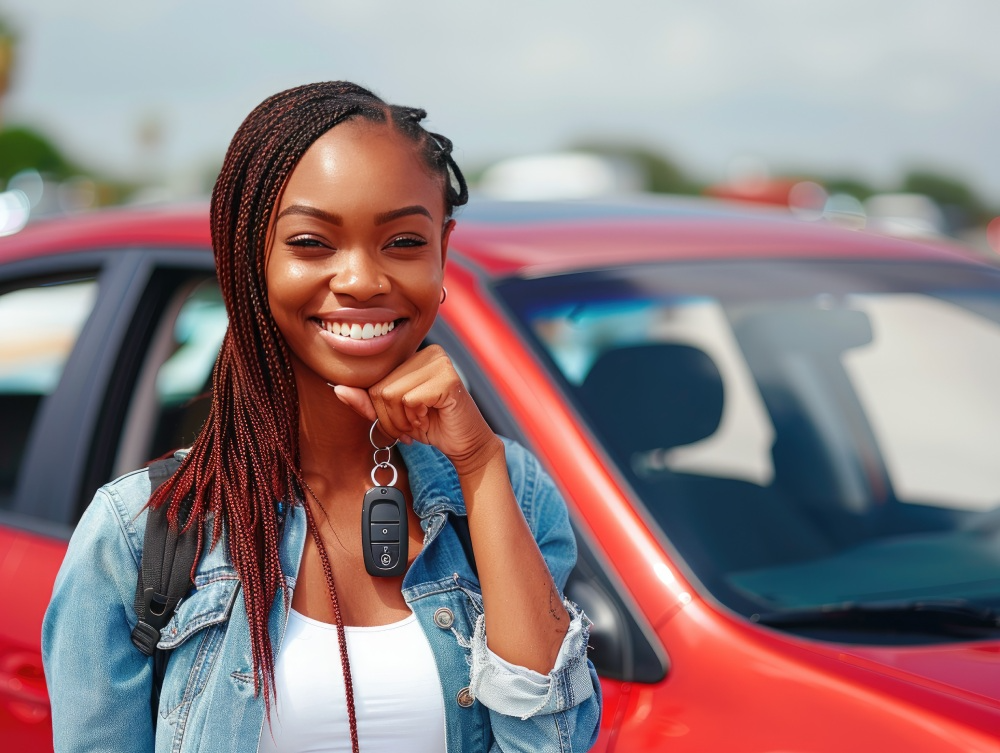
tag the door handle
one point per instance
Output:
(22, 687)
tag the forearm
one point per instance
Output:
(525, 618)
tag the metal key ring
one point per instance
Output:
(371, 438)
(395, 474)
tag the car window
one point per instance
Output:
(39, 324)
(805, 433)
(923, 425)
(741, 446)
(172, 393)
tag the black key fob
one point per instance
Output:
(384, 533)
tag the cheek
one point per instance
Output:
(426, 287)
(287, 284)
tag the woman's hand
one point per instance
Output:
(424, 399)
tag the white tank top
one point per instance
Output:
(397, 693)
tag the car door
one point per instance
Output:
(102, 357)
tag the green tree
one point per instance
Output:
(23, 148)
(8, 44)
(661, 173)
(955, 197)
(852, 186)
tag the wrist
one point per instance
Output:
(477, 461)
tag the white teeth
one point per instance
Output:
(355, 331)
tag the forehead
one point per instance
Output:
(360, 159)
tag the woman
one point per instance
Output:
(330, 225)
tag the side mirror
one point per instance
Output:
(620, 648)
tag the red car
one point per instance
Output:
(779, 443)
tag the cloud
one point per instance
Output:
(849, 83)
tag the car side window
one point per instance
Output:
(172, 393)
(40, 322)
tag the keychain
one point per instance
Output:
(384, 534)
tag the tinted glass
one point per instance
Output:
(39, 325)
(172, 393)
(805, 433)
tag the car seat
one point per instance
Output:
(654, 397)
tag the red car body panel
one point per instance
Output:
(24, 707)
(731, 685)
(825, 692)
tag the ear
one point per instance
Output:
(445, 237)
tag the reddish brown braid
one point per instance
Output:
(245, 461)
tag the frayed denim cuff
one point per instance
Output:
(517, 691)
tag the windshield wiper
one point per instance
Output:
(939, 617)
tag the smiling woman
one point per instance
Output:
(369, 260)
(330, 225)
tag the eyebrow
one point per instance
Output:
(319, 214)
(335, 219)
(395, 214)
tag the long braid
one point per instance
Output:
(345, 663)
(245, 461)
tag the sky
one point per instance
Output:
(869, 88)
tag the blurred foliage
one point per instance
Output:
(24, 148)
(8, 45)
(954, 196)
(662, 175)
(962, 206)
(859, 189)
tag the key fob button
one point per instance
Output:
(383, 532)
(385, 556)
(385, 512)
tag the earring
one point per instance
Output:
(444, 293)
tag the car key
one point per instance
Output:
(384, 532)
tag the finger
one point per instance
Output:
(392, 421)
(416, 414)
(419, 422)
(358, 399)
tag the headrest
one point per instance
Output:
(653, 397)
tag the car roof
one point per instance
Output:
(527, 239)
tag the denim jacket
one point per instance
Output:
(99, 683)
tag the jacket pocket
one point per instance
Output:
(194, 637)
(210, 604)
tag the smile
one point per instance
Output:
(357, 331)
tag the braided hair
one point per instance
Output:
(244, 465)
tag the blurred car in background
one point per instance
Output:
(778, 441)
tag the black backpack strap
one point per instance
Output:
(165, 567)
(164, 577)
(461, 525)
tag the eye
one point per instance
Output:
(407, 241)
(304, 241)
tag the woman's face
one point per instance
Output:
(356, 254)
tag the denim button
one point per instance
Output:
(444, 618)
(465, 698)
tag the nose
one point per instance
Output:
(358, 274)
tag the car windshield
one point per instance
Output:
(805, 433)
